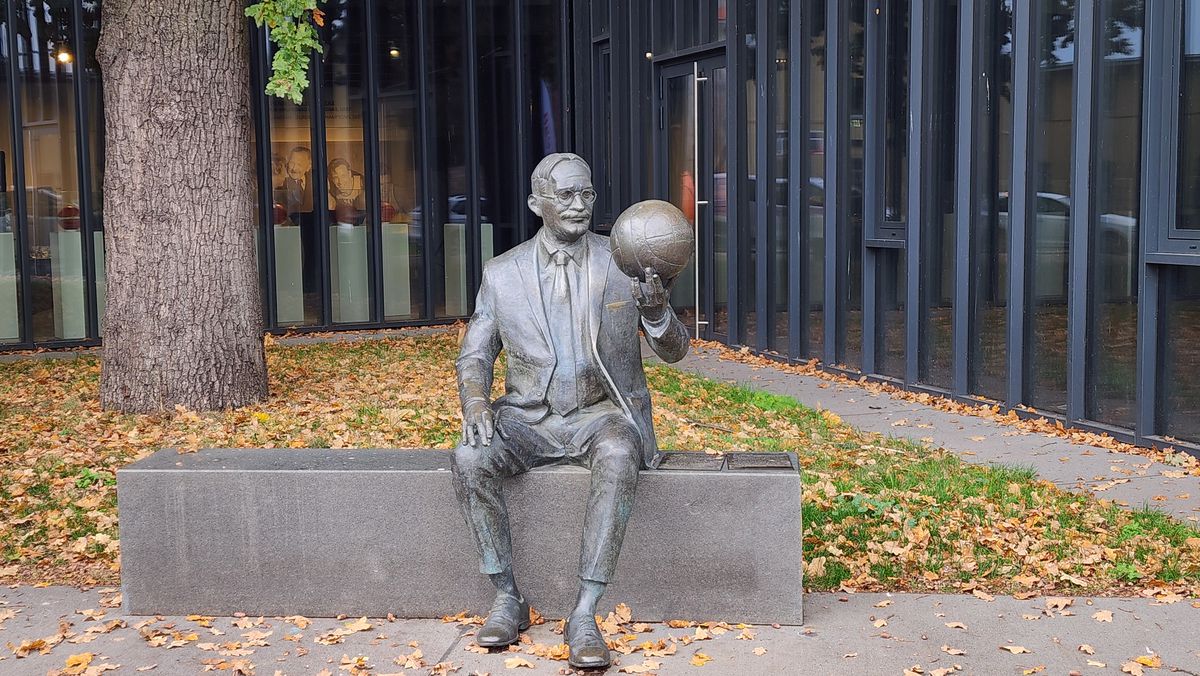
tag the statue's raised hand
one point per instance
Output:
(651, 296)
(479, 423)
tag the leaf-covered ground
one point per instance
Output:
(879, 513)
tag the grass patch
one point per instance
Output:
(880, 513)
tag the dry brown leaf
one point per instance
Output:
(1016, 649)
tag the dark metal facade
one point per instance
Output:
(988, 199)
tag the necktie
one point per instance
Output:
(562, 394)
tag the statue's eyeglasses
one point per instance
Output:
(566, 196)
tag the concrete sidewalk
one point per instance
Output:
(1128, 479)
(844, 634)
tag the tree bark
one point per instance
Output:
(183, 321)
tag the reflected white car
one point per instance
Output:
(1115, 248)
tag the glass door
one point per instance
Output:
(691, 159)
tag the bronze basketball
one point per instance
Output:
(652, 234)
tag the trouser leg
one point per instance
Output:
(616, 458)
(478, 478)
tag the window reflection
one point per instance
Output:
(1049, 231)
(813, 218)
(46, 57)
(399, 192)
(1189, 120)
(936, 361)
(453, 296)
(895, 110)
(1112, 348)
(851, 259)
(779, 191)
(746, 228)
(1179, 416)
(346, 225)
(988, 347)
(10, 280)
(297, 270)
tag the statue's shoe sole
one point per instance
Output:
(484, 643)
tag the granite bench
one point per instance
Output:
(320, 532)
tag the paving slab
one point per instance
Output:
(1129, 479)
(847, 634)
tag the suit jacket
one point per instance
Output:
(297, 199)
(509, 315)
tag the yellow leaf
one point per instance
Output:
(1152, 661)
(953, 651)
(1102, 616)
(1087, 649)
(1016, 649)
(760, 651)
(956, 625)
(517, 662)
(700, 659)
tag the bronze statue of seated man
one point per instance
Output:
(575, 391)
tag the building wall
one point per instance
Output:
(1004, 215)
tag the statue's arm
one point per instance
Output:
(480, 347)
(667, 337)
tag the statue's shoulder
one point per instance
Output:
(597, 240)
(510, 258)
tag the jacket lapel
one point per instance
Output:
(598, 264)
(527, 265)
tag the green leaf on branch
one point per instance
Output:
(291, 25)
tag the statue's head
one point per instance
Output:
(563, 195)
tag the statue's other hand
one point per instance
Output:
(651, 295)
(479, 423)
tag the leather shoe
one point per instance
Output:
(508, 618)
(588, 649)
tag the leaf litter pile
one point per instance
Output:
(879, 513)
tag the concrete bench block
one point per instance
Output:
(322, 532)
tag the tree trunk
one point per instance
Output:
(183, 322)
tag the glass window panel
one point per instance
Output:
(679, 101)
(850, 353)
(895, 111)
(720, 201)
(603, 167)
(779, 190)
(890, 296)
(988, 347)
(499, 184)
(1112, 348)
(600, 12)
(936, 363)
(664, 26)
(94, 91)
(1179, 415)
(1049, 231)
(1188, 199)
(294, 227)
(46, 59)
(543, 61)
(399, 173)
(747, 226)
(346, 225)
(453, 295)
(813, 221)
(10, 253)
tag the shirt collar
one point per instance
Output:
(546, 249)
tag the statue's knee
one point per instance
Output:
(468, 461)
(619, 451)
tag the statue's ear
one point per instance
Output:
(535, 205)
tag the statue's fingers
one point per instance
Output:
(637, 289)
(489, 428)
(470, 434)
